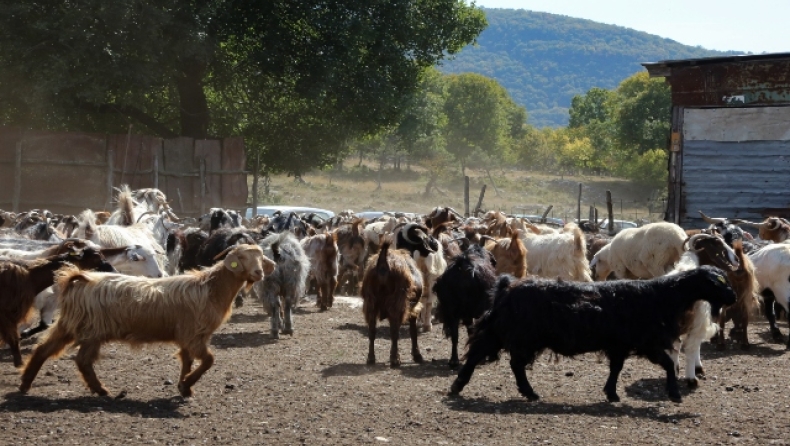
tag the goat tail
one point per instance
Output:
(126, 206)
(579, 243)
(382, 267)
(67, 276)
(87, 226)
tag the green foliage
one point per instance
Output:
(544, 60)
(482, 120)
(648, 168)
(643, 111)
(297, 79)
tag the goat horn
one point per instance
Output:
(691, 241)
(738, 221)
(486, 237)
(143, 215)
(710, 220)
(454, 212)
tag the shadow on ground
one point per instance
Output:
(155, 408)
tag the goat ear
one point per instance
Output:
(268, 265)
(232, 263)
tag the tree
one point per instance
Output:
(594, 106)
(642, 113)
(264, 70)
(481, 116)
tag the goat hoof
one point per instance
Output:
(456, 388)
(101, 391)
(417, 357)
(323, 308)
(692, 383)
(427, 327)
(371, 359)
(454, 363)
(394, 363)
(24, 388)
(288, 331)
(613, 398)
(776, 334)
(699, 371)
(185, 391)
(532, 396)
(675, 398)
(746, 346)
(275, 334)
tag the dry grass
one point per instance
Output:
(356, 188)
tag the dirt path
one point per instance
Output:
(314, 388)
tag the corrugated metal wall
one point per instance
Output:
(736, 163)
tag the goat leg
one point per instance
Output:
(452, 327)
(289, 321)
(769, 302)
(371, 339)
(34, 330)
(206, 361)
(11, 337)
(616, 362)
(88, 354)
(415, 350)
(394, 336)
(665, 361)
(186, 363)
(55, 343)
(518, 365)
(276, 322)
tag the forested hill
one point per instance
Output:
(545, 59)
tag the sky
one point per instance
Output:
(741, 25)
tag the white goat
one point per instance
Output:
(640, 253)
(557, 255)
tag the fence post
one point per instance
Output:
(155, 170)
(466, 196)
(480, 200)
(17, 177)
(548, 209)
(610, 229)
(202, 186)
(110, 173)
(255, 176)
(579, 205)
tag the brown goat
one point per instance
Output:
(353, 250)
(497, 224)
(321, 249)
(510, 255)
(22, 280)
(744, 283)
(391, 289)
(185, 310)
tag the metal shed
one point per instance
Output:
(730, 140)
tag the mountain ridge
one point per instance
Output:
(545, 59)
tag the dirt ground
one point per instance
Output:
(314, 388)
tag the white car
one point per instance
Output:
(619, 225)
(268, 211)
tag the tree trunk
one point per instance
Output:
(194, 116)
(429, 186)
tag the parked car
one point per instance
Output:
(370, 215)
(268, 211)
(619, 225)
(550, 221)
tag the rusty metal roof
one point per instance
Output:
(658, 66)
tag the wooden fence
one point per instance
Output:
(69, 172)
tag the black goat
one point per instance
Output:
(618, 318)
(415, 237)
(463, 292)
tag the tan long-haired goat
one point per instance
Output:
(184, 310)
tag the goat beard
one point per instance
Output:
(248, 286)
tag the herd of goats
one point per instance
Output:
(139, 275)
